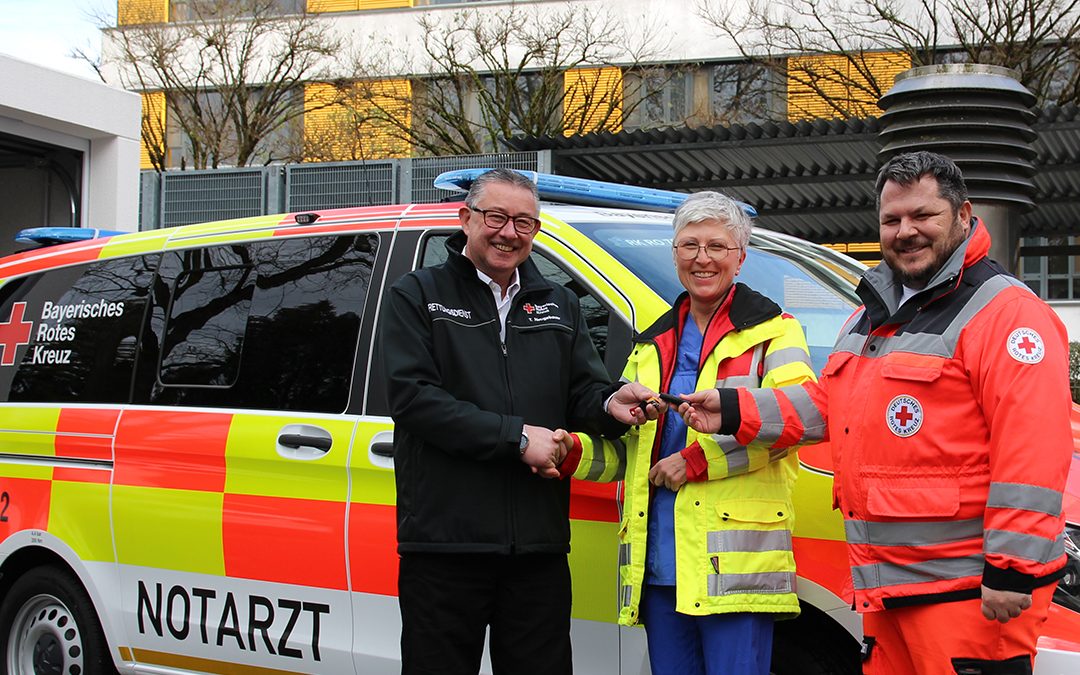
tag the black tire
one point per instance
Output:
(48, 627)
(813, 652)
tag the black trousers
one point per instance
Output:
(448, 599)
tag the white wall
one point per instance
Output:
(72, 112)
(1069, 311)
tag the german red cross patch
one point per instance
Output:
(1026, 346)
(904, 415)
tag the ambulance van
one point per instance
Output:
(196, 467)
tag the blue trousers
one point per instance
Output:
(717, 644)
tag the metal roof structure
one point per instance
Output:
(814, 179)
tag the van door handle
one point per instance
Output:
(382, 449)
(295, 441)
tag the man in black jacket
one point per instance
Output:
(486, 359)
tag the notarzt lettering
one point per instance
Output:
(220, 619)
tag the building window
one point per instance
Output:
(1050, 266)
(190, 10)
(660, 97)
(743, 92)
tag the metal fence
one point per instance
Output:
(182, 197)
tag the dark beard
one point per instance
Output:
(920, 279)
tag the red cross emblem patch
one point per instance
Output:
(14, 333)
(904, 415)
(1026, 346)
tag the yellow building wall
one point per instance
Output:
(593, 100)
(134, 12)
(354, 125)
(839, 80)
(153, 122)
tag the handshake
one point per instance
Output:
(633, 403)
(546, 449)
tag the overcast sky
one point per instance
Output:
(46, 31)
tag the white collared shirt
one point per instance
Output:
(502, 303)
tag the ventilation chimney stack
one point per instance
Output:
(979, 116)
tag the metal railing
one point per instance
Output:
(183, 197)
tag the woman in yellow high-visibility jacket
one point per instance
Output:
(705, 544)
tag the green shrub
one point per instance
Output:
(1074, 370)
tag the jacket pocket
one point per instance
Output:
(910, 501)
(750, 549)
(836, 362)
(912, 367)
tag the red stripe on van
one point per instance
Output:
(373, 554)
(825, 562)
(284, 540)
(594, 501)
(172, 449)
(59, 256)
(74, 422)
(24, 505)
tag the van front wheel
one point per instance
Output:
(48, 627)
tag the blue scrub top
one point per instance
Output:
(660, 545)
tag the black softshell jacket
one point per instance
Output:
(459, 398)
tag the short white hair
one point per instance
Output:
(709, 205)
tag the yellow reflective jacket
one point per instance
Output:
(733, 518)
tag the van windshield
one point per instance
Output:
(796, 281)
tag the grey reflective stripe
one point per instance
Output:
(626, 595)
(850, 342)
(762, 582)
(748, 381)
(912, 533)
(782, 357)
(624, 554)
(727, 541)
(1025, 498)
(755, 359)
(776, 454)
(738, 459)
(812, 421)
(768, 409)
(879, 575)
(943, 345)
(1026, 546)
(598, 463)
(625, 380)
(927, 344)
(983, 296)
(846, 328)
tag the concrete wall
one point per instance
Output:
(101, 122)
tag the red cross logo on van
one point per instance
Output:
(14, 333)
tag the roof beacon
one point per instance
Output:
(582, 191)
(50, 236)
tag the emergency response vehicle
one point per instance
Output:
(196, 472)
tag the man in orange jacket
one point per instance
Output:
(946, 401)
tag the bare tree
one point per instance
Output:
(846, 52)
(487, 75)
(232, 74)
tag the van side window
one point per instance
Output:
(71, 333)
(596, 314)
(270, 324)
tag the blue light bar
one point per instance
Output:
(583, 191)
(49, 236)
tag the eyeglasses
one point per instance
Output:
(688, 250)
(496, 219)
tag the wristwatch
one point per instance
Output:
(524, 442)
